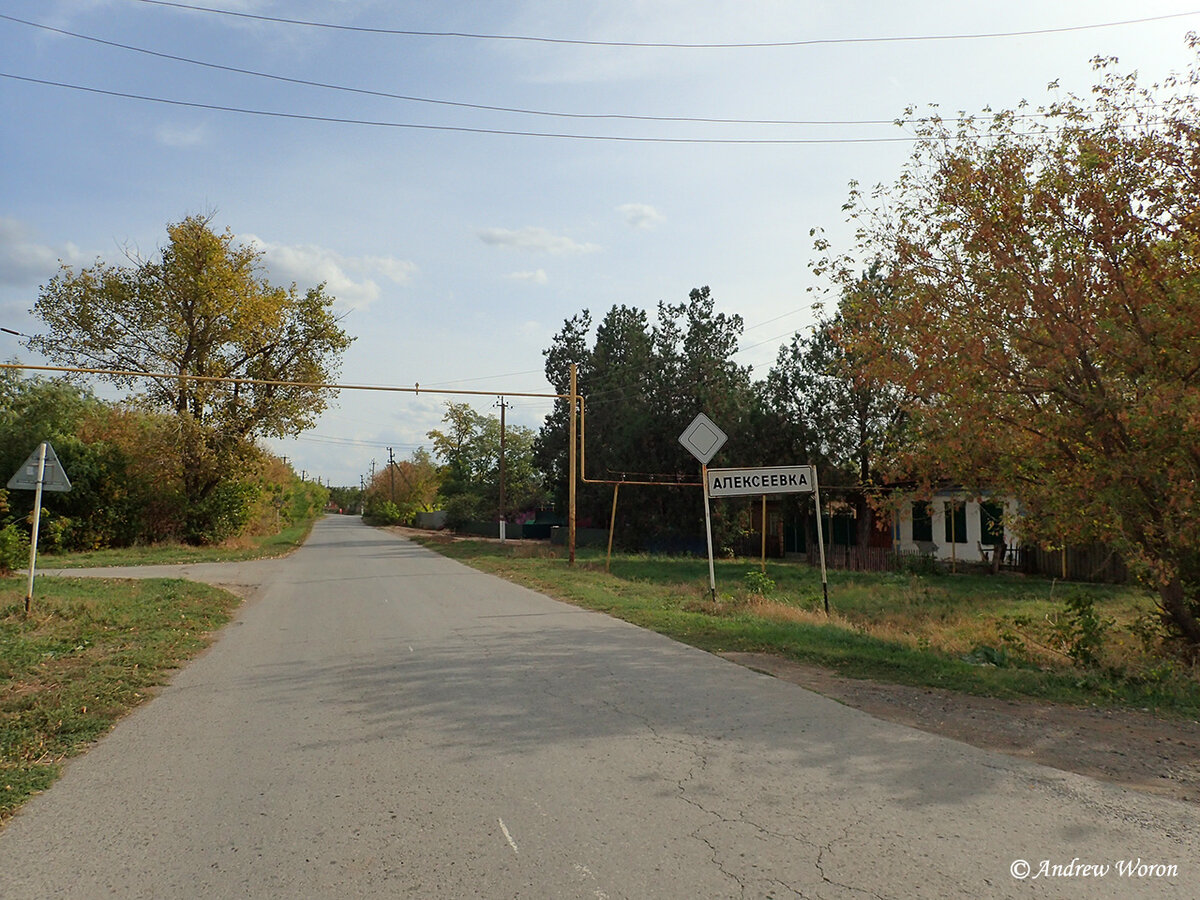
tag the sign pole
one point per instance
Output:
(703, 439)
(821, 540)
(37, 520)
(712, 576)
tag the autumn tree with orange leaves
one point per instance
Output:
(1042, 318)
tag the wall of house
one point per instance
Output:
(965, 546)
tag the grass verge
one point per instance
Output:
(999, 636)
(88, 652)
(259, 547)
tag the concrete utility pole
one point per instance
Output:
(503, 406)
(392, 472)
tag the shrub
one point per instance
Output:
(222, 514)
(1083, 630)
(14, 548)
(757, 582)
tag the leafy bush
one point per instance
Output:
(387, 513)
(1083, 630)
(14, 548)
(222, 514)
(757, 582)
(463, 508)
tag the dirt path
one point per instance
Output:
(1127, 747)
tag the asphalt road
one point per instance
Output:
(382, 722)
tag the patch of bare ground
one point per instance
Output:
(1127, 747)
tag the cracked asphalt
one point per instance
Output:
(379, 721)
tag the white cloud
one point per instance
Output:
(534, 239)
(350, 279)
(641, 215)
(25, 261)
(180, 135)
(538, 276)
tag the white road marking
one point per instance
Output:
(508, 837)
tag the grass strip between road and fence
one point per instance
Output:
(1000, 636)
(89, 651)
(239, 550)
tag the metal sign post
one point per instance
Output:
(42, 471)
(821, 540)
(703, 439)
(771, 480)
(712, 574)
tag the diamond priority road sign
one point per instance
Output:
(769, 480)
(703, 438)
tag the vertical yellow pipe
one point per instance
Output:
(571, 472)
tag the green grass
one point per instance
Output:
(1001, 636)
(169, 554)
(88, 652)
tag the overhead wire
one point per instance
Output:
(483, 107)
(671, 45)
(705, 120)
(461, 129)
(460, 104)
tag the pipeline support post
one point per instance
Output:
(573, 404)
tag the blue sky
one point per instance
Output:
(456, 255)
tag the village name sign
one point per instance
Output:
(703, 438)
(746, 482)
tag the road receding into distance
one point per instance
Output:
(382, 722)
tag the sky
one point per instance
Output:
(457, 239)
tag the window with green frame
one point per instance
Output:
(991, 523)
(956, 522)
(922, 522)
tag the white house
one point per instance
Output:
(955, 526)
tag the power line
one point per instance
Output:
(460, 104)
(348, 442)
(461, 129)
(706, 120)
(776, 319)
(485, 378)
(672, 45)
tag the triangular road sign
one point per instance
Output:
(54, 477)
